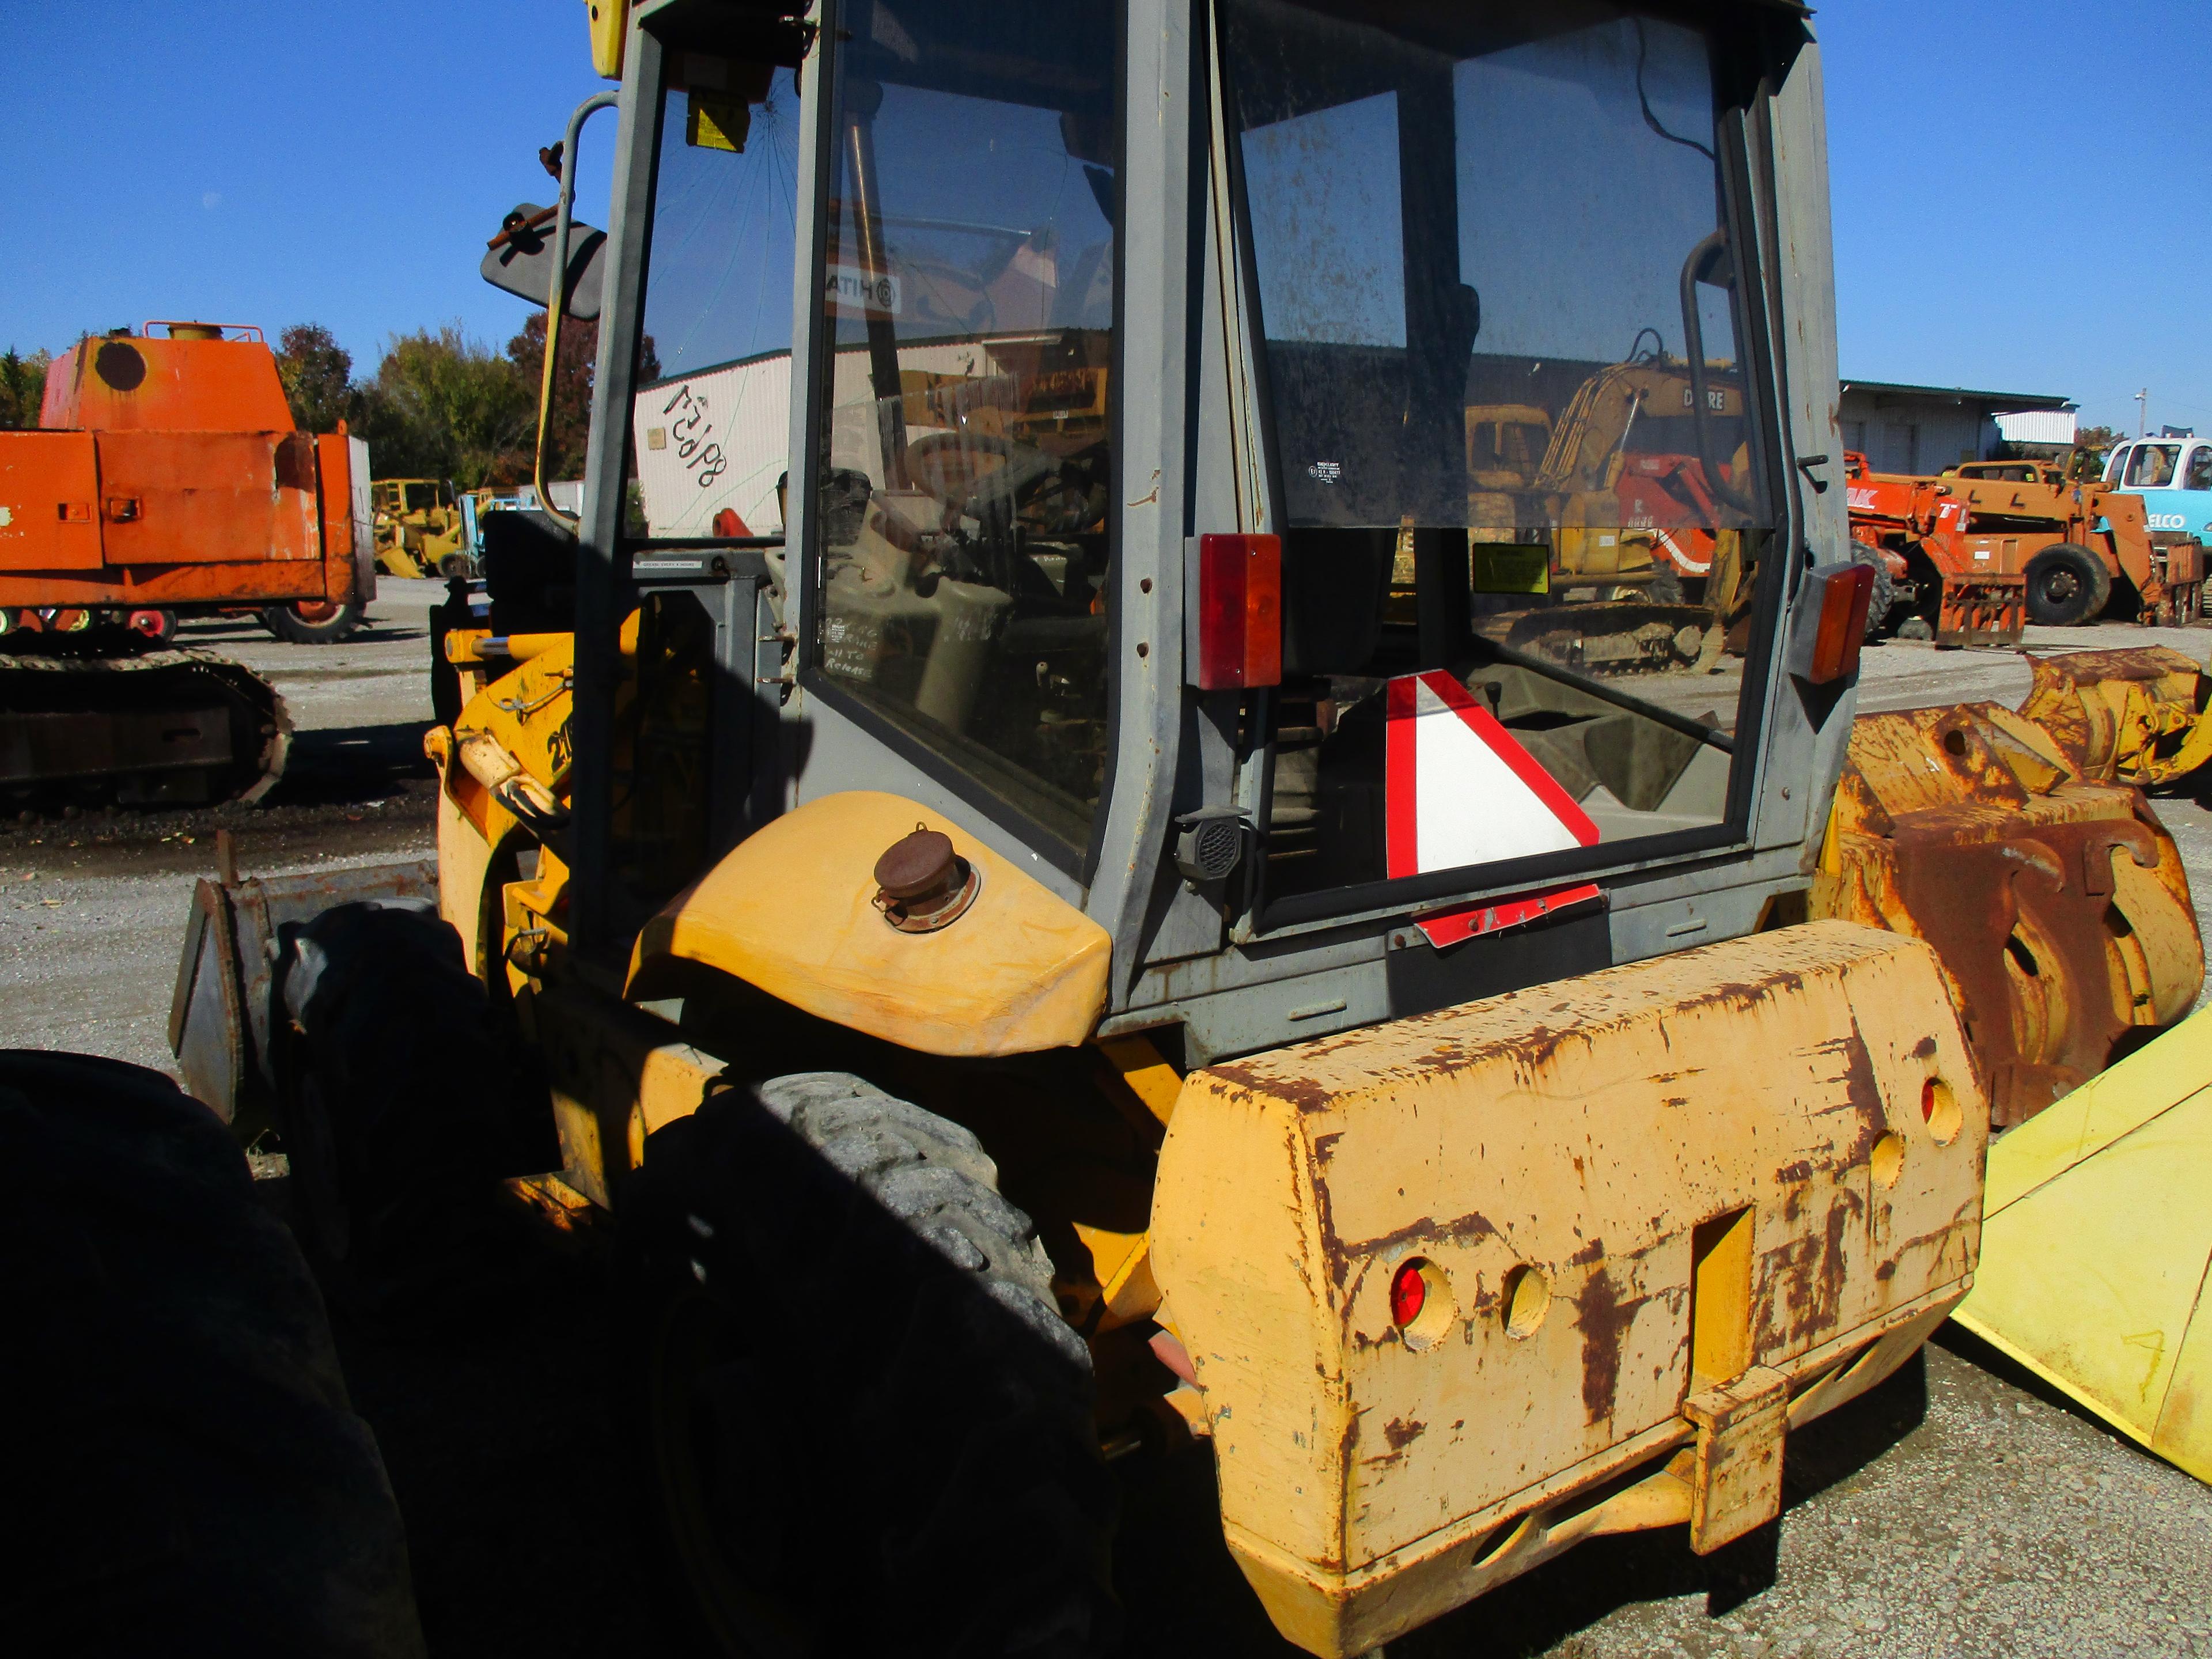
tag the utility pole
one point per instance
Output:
(2142, 413)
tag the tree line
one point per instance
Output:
(438, 405)
(442, 405)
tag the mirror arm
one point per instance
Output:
(556, 299)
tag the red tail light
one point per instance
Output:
(1409, 1293)
(1830, 622)
(1238, 636)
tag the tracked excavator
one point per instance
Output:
(166, 479)
(1640, 479)
(1063, 955)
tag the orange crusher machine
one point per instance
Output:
(166, 479)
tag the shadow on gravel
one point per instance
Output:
(509, 1474)
(512, 1478)
(1963, 1344)
(1183, 1593)
(349, 765)
(214, 635)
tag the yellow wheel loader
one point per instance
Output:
(420, 529)
(1066, 948)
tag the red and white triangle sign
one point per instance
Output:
(1459, 790)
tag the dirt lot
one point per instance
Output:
(1959, 1510)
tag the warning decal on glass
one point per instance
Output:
(1458, 788)
(872, 293)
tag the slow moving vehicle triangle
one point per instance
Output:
(1460, 790)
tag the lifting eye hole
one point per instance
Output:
(1940, 1111)
(1528, 1298)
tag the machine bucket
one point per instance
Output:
(219, 1017)
(2097, 1240)
(2134, 716)
(2058, 906)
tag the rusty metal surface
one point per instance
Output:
(1551, 1159)
(1982, 611)
(220, 1012)
(2134, 716)
(2059, 908)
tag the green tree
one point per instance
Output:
(22, 387)
(318, 376)
(443, 405)
(569, 423)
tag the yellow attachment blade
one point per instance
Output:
(2097, 1240)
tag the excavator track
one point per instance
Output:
(161, 728)
(1607, 640)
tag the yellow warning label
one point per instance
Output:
(712, 123)
(1500, 569)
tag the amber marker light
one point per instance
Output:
(1832, 622)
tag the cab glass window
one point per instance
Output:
(1517, 473)
(710, 417)
(2199, 476)
(2152, 466)
(966, 506)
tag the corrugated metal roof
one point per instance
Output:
(1996, 403)
(2038, 426)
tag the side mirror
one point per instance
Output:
(520, 260)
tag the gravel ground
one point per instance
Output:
(92, 909)
(1960, 1509)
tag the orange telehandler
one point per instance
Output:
(2010, 543)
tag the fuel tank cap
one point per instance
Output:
(922, 884)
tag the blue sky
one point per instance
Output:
(2020, 185)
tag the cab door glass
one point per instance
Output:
(966, 506)
(2152, 466)
(2199, 476)
(1518, 470)
(710, 416)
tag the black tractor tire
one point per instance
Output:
(456, 567)
(864, 1425)
(397, 1105)
(1884, 597)
(2067, 586)
(184, 1473)
(286, 622)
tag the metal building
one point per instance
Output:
(1925, 428)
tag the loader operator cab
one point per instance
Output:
(1487, 674)
(922, 911)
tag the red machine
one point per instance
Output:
(1919, 528)
(166, 478)
(2007, 542)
